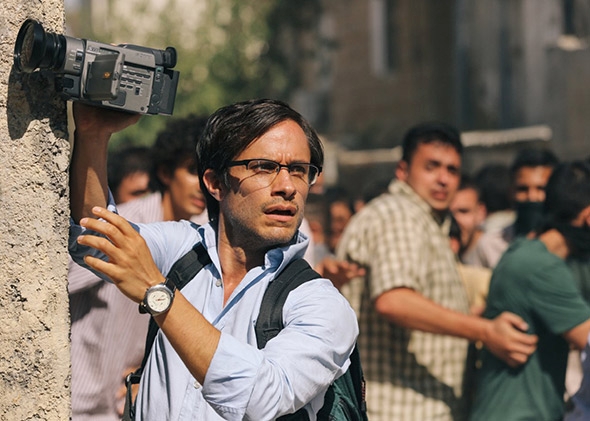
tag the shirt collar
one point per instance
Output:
(275, 259)
(404, 189)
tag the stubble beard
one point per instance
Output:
(264, 238)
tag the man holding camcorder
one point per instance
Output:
(205, 363)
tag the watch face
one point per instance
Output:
(158, 300)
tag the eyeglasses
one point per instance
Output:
(266, 170)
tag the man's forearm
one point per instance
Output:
(504, 336)
(88, 178)
(88, 169)
(195, 342)
(407, 308)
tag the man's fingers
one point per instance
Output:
(359, 271)
(530, 340)
(330, 266)
(524, 350)
(103, 227)
(98, 243)
(118, 221)
(88, 117)
(100, 265)
(522, 337)
(516, 361)
(516, 321)
(111, 225)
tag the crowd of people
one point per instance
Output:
(465, 293)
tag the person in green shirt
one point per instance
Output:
(533, 281)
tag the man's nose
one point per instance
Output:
(443, 176)
(284, 182)
(536, 195)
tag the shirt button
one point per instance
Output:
(218, 283)
(197, 385)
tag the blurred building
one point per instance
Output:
(369, 69)
(383, 65)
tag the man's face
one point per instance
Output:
(469, 213)
(258, 215)
(340, 214)
(183, 192)
(132, 187)
(530, 182)
(433, 173)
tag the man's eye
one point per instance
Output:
(298, 170)
(263, 166)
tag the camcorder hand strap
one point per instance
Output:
(181, 273)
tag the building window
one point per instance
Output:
(384, 36)
(576, 18)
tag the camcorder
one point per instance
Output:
(126, 77)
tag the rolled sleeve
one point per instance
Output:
(231, 377)
(77, 251)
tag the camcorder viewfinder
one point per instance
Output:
(126, 77)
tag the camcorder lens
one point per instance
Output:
(35, 48)
(27, 48)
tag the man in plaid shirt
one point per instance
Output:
(412, 306)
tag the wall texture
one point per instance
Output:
(34, 343)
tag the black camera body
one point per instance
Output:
(126, 77)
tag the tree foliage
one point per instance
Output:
(228, 50)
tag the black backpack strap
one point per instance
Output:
(181, 273)
(270, 317)
(185, 268)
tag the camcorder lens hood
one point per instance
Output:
(36, 49)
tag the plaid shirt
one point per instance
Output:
(411, 375)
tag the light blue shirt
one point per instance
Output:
(243, 382)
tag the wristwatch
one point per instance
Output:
(158, 299)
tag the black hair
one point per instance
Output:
(335, 194)
(127, 161)
(533, 157)
(567, 191)
(454, 230)
(430, 132)
(231, 129)
(494, 181)
(374, 189)
(468, 182)
(175, 146)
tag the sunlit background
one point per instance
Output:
(506, 72)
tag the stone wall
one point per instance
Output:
(34, 151)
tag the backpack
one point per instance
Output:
(344, 399)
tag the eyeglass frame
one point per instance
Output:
(246, 163)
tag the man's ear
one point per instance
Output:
(213, 184)
(583, 218)
(481, 212)
(164, 175)
(401, 171)
(586, 215)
